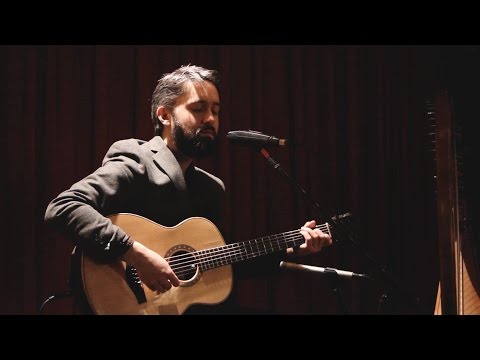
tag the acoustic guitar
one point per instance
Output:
(196, 252)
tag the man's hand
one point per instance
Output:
(152, 269)
(315, 240)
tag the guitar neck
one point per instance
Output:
(233, 253)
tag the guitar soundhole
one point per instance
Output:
(188, 269)
(184, 264)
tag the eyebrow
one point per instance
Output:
(203, 102)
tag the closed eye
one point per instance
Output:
(202, 106)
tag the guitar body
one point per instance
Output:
(109, 291)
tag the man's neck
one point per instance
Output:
(183, 161)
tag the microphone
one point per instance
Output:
(326, 271)
(250, 137)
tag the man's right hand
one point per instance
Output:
(152, 269)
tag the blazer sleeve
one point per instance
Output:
(80, 212)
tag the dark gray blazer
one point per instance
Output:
(138, 177)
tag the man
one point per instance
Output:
(157, 180)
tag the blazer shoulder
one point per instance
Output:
(129, 148)
(127, 144)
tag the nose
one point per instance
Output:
(209, 118)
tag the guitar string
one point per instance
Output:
(222, 249)
(215, 257)
(222, 257)
(287, 235)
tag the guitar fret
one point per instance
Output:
(238, 252)
(251, 248)
(210, 263)
(244, 252)
(268, 244)
(203, 264)
(259, 248)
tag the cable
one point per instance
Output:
(64, 294)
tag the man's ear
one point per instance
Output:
(163, 115)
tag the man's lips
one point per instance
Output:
(209, 132)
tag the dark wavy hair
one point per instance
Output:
(170, 88)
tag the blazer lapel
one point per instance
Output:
(164, 158)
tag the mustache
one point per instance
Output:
(207, 128)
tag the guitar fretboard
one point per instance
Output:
(233, 253)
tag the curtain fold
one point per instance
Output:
(354, 116)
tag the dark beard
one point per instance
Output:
(194, 146)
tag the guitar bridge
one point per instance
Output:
(135, 284)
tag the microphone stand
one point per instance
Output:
(275, 165)
(333, 276)
(334, 286)
(341, 233)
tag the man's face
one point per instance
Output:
(195, 119)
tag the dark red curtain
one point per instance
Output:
(355, 116)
